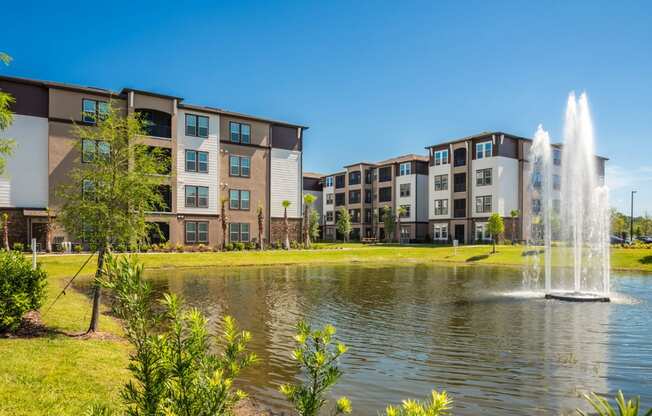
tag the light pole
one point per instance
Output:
(631, 220)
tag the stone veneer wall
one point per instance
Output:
(276, 232)
(17, 226)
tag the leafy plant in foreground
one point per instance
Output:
(604, 408)
(438, 405)
(174, 368)
(318, 355)
(21, 288)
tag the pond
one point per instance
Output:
(414, 328)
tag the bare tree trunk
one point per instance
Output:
(5, 231)
(261, 237)
(513, 229)
(97, 292)
(306, 226)
(286, 229)
(48, 236)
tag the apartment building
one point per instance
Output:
(213, 153)
(472, 177)
(365, 189)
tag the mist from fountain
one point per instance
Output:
(570, 207)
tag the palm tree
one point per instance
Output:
(400, 212)
(261, 217)
(514, 214)
(308, 200)
(286, 227)
(5, 230)
(48, 232)
(223, 219)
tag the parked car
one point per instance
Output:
(617, 240)
(644, 239)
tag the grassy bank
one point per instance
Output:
(61, 375)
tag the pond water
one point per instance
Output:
(414, 328)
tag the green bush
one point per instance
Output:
(21, 288)
(19, 247)
(604, 408)
(77, 248)
(239, 246)
(228, 247)
(439, 405)
(251, 246)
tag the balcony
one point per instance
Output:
(156, 123)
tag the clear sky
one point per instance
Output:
(372, 79)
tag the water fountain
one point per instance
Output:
(569, 212)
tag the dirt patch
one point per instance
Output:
(31, 326)
(249, 407)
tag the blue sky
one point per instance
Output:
(372, 79)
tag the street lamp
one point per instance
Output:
(631, 220)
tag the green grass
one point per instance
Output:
(62, 375)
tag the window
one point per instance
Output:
(459, 182)
(368, 176)
(536, 179)
(165, 205)
(536, 206)
(440, 232)
(459, 157)
(329, 181)
(404, 190)
(459, 208)
(93, 148)
(339, 181)
(87, 188)
(441, 206)
(239, 199)
(556, 205)
(340, 199)
(368, 196)
(441, 182)
(93, 110)
(406, 211)
(385, 174)
(240, 133)
(196, 197)
(355, 215)
(483, 150)
(556, 156)
(329, 199)
(483, 177)
(355, 178)
(329, 232)
(483, 204)
(354, 197)
(405, 169)
(481, 233)
(385, 194)
(196, 126)
(368, 215)
(329, 216)
(196, 161)
(239, 166)
(196, 232)
(441, 157)
(556, 182)
(238, 232)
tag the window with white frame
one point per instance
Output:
(483, 150)
(556, 182)
(330, 198)
(441, 207)
(196, 196)
(483, 177)
(196, 161)
(239, 199)
(404, 190)
(329, 216)
(329, 181)
(441, 182)
(239, 232)
(441, 157)
(556, 156)
(483, 204)
(405, 211)
(239, 166)
(196, 126)
(405, 169)
(240, 132)
(94, 110)
(481, 232)
(196, 232)
(440, 232)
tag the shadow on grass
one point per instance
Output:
(646, 260)
(477, 258)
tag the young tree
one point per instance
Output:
(388, 222)
(495, 227)
(318, 356)
(6, 118)
(343, 224)
(514, 214)
(223, 219)
(48, 232)
(438, 405)
(5, 231)
(286, 227)
(400, 213)
(107, 197)
(260, 213)
(308, 200)
(314, 225)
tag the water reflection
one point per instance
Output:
(414, 328)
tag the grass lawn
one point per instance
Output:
(61, 375)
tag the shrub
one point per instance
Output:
(239, 246)
(77, 248)
(145, 248)
(19, 247)
(318, 357)
(175, 371)
(604, 408)
(228, 247)
(120, 248)
(179, 248)
(439, 405)
(251, 246)
(21, 288)
(133, 248)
